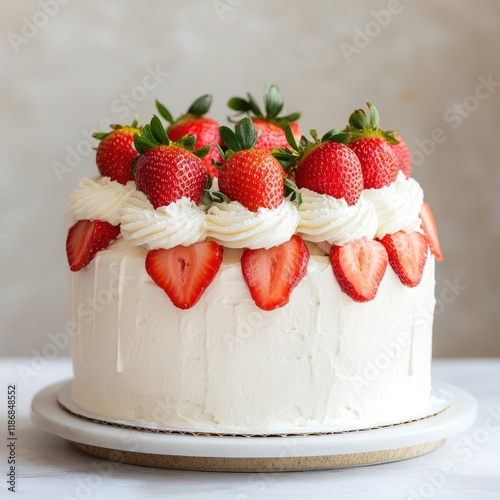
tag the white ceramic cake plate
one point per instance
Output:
(175, 450)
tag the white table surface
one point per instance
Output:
(466, 466)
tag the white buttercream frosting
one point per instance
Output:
(325, 218)
(397, 205)
(100, 198)
(180, 223)
(234, 226)
(320, 361)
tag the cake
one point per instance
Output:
(284, 309)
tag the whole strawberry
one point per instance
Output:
(326, 165)
(250, 176)
(116, 152)
(270, 124)
(166, 171)
(373, 147)
(193, 122)
(403, 154)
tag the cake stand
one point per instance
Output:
(452, 411)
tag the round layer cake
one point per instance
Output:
(257, 306)
(321, 360)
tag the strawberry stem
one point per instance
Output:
(243, 137)
(289, 158)
(154, 135)
(361, 125)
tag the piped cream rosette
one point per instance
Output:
(234, 226)
(100, 198)
(397, 206)
(179, 223)
(324, 218)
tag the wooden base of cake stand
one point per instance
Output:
(260, 464)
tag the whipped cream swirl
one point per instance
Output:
(325, 218)
(180, 223)
(234, 226)
(100, 198)
(397, 205)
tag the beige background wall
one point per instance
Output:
(432, 69)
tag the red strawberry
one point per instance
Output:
(407, 255)
(185, 272)
(272, 274)
(403, 154)
(430, 230)
(166, 171)
(359, 268)
(331, 168)
(85, 239)
(115, 152)
(193, 122)
(271, 124)
(374, 149)
(252, 177)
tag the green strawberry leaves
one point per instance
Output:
(243, 137)
(289, 158)
(154, 135)
(273, 103)
(200, 107)
(101, 135)
(362, 125)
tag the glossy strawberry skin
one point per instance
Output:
(378, 161)
(272, 274)
(115, 154)
(403, 154)
(167, 173)
(272, 136)
(207, 133)
(184, 273)
(254, 178)
(333, 169)
(359, 268)
(85, 238)
(407, 255)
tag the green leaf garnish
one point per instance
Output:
(201, 105)
(164, 112)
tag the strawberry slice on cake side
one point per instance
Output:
(256, 180)
(166, 172)
(327, 166)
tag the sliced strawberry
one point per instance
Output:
(272, 274)
(85, 239)
(430, 230)
(185, 272)
(407, 255)
(359, 268)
